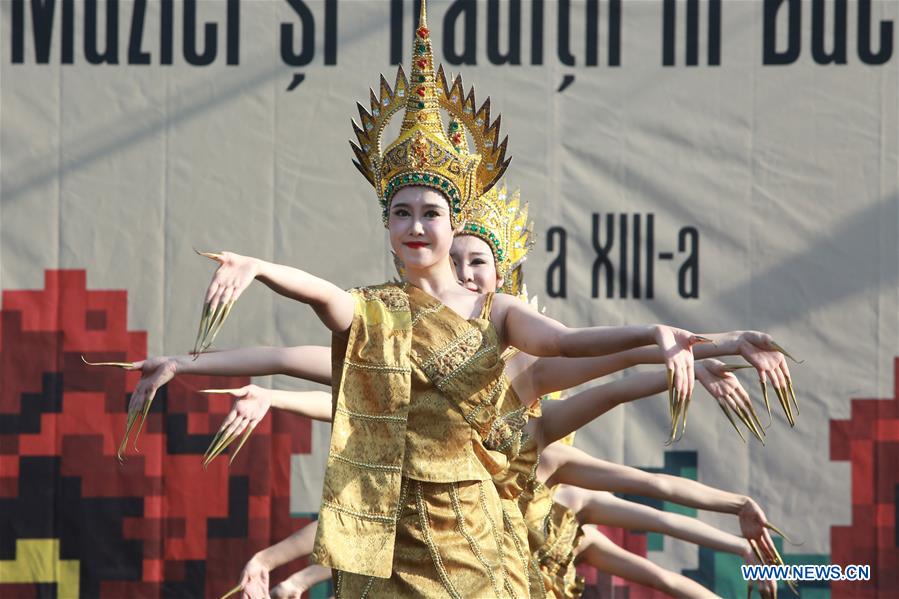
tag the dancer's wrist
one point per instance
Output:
(265, 560)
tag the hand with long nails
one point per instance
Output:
(254, 580)
(767, 588)
(677, 348)
(719, 380)
(754, 527)
(251, 406)
(231, 278)
(770, 361)
(155, 372)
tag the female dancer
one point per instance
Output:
(422, 418)
(267, 361)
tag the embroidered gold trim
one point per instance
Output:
(465, 363)
(424, 523)
(368, 585)
(472, 542)
(378, 467)
(449, 347)
(529, 566)
(496, 538)
(393, 298)
(426, 312)
(375, 417)
(361, 515)
(378, 367)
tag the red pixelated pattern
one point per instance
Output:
(870, 441)
(46, 331)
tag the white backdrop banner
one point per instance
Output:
(715, 165)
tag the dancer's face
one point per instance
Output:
(419, 227)
(474, 264)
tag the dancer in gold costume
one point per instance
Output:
(424, 422)
(423, 418)
(554, 550)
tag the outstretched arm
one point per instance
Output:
(254, 580)
(600, 552)
(333, 305)
(548, 374)
(309, 362)
(251, 406)
(563, 464)
(560, 418)
(601, 507)
(533, 333)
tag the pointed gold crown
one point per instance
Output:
(499, 220)
(422, 154)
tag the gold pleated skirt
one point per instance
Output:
(453, 540)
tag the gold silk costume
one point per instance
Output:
(553, 536)
(425, 425)
(420, 430)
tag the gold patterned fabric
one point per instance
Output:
(445, 531)
(553, 536)
(363, 480)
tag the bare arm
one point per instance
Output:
(561, 464)
(578, 468)
(600, 552)
(601, 507)
(333, 305)
(309, 362)
(548, 374)
(254, 580)
(531, 332)
(539, 335)
(311, 404)
(560, 418)
(300, 582)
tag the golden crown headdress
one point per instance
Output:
(499, 220)
(423, 154)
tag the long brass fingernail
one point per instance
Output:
(210, 255)
(218, 445)
(764, 387)
(122, 365)
(779, 348)
(733, 422)
(129, 423)
(671, 393)
(784, 404)
(745, 418)
(243, 440)
(772, 527)
(792, 395)
(686, 409)
(212, 443)
(755, 418)
(214, 333)
(210, 324)
(233, 591)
